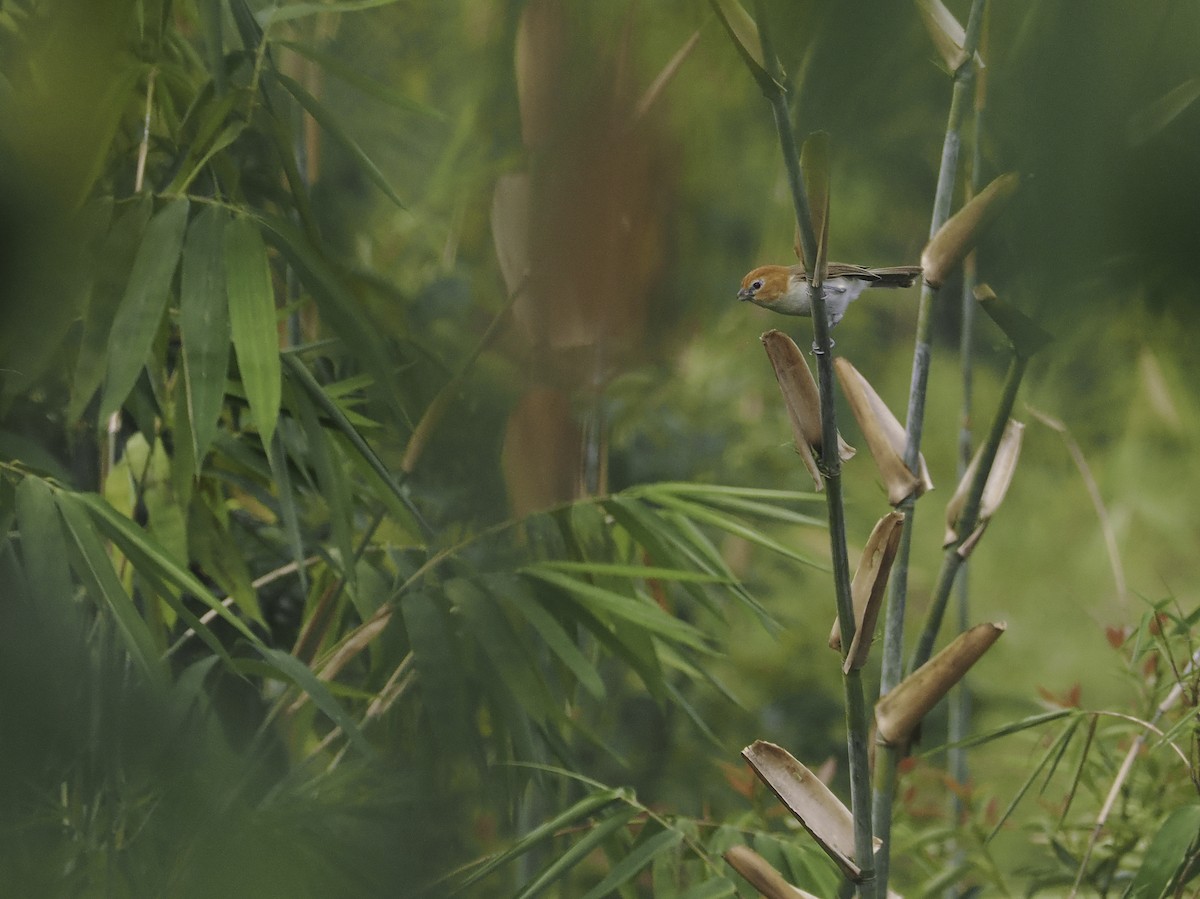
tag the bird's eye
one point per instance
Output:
(757, 285)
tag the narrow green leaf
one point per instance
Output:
(710, 492)
(510, 658)
(300, 10)
(339, 309)
(374, 464)
(733, 526)
(214, 548)
(146, 554)
(717, 888)
(635, 610)
(314, 108)
(547, 830)
(557, 639)
(437, 657)
(277, 455)
(630, 865)
(94, 568)
(579, 850)
(353, 76)
(640, 572)
(332, 483)
(1167, 853)
(43, 547)
(252, 322)
(1051, 752)
(214, 43)
(292, 669)
(141, 311)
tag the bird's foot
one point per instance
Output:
(816, 347)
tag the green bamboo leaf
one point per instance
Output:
(437, 657)
(555, 636)
(717, 888)
(510, 658)
(374, 465)
(314, 108)
(94, 568)
(608, 603)
(146, 555)
(211, 13)
(1051, 752)
(332, 484)
(1168, 852)
(730, 525)
(711, 492)
(292, 669)
(547, 830)
(43, 547)
(355, 77)
(218, 553)
(580, 849)
(628, 867)
(140, 314)
(300, 10)
(252, 322)
(282, 475)
(640, 572)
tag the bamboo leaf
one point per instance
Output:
(743, 31)
(509, 657)
(292, 669)
(437, 657)
(557, 640)
(278, 458)
(359, 443)
(639, 572)
(616, 605)
(204, 326)
(214, 43)
(43, 545)
(301, 10)
(1167, 854)
(252, 322)
(331, 481)
(314, 108)
(579, 850)
(146, 554)
(94, 568)
(353, 76)
(114, 261)
(628, 867)
(717, 888)
(547, 830)
(732, 526)
(141, 311)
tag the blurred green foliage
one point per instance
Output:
(121, 786)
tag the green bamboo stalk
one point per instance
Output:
(969, 517)
(893, 635)
(857, 727)
(960, 699)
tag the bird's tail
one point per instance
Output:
(897, 276)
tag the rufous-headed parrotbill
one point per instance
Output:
(783, 288)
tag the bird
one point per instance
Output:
(784, 289)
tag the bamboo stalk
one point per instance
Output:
(857, 725)
(893, 634)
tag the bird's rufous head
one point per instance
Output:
(765, 284)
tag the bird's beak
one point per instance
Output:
(745, 294)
